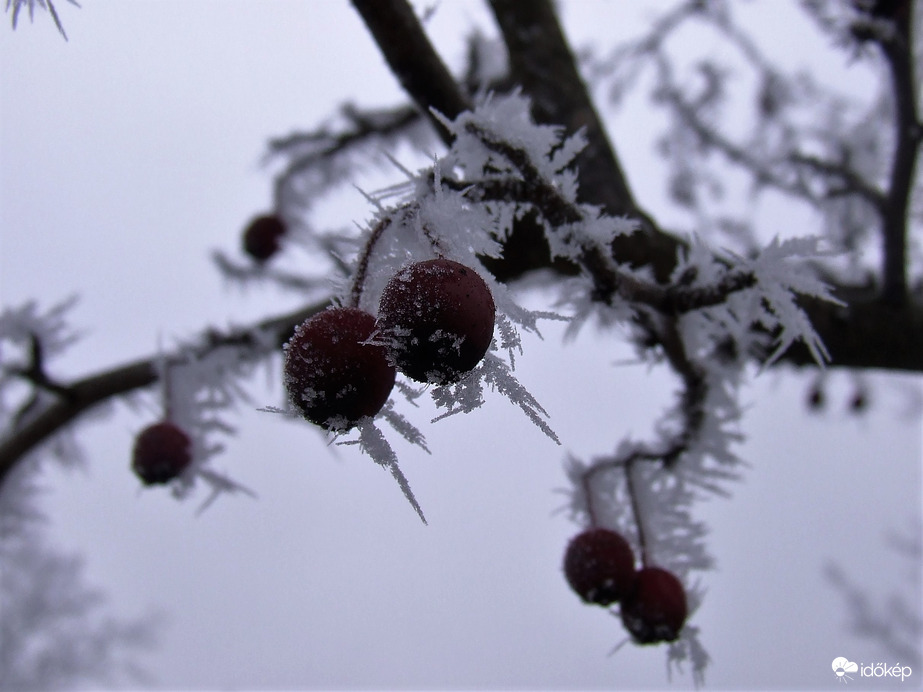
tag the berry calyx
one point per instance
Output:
(600, 566)
(162, 452)
(437, 320)
(332, 374)
(261, 237)
(655, 610)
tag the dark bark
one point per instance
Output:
(898, 51)
(542, 63)
(412, 58)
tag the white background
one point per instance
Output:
(132, 151)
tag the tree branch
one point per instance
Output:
(412, 58)
(899, 53)
(92, 390)
(542, 63)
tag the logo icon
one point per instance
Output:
(842, 666)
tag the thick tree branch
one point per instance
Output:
(899, 54)
(542, 63)
(865, 334)
(412, 58)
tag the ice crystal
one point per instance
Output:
(507, 118)
(50, 328)
(780, 280)
(17, 5)
(373, 442)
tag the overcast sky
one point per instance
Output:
(132, 151)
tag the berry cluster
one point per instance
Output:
(435, 323)
(600, 567)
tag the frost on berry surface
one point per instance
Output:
(333, 373)
(436, 319)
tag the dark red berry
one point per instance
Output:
(816, 399)
(162, 452)
(655, 610)
(859, 402)
(261, 237)
(437, 318)
(332, 375)
(600, 566)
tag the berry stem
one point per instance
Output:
(626, 464)
(587, 491)
(636, 509)
(365, 256)
(167, 393)
(362, 265)
(433, 241)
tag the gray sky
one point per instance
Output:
(131, 151)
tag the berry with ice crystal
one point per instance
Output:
(437, 320)
(162, 452)
(333, 373)
(655, 610)
(600, 566)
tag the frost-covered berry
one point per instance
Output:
(332, 374)
(600, 566)
(655, 610)
(162, 452)
(437, 319)
(261, 237)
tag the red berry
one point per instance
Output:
(656, 608)
(816, 398)
(162, 452)
(261, 237)
(437, 317)
(332, 374)
(600, 566)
